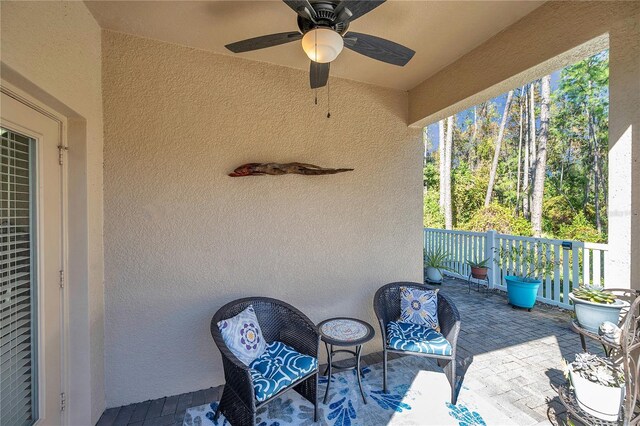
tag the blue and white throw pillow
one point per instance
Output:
(419, 307)
(243, 336)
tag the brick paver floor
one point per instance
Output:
(514, 356)
(510, 356)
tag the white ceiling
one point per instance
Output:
(439, 31)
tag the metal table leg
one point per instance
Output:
(359, 372)
(328, 370)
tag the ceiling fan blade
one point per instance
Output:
(356, 7)
(318, 74)
(263, 41)
(302, 8)
(378, 48)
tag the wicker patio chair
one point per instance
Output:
(386, 304)
(278, 321)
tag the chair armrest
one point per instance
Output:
(301, 333)
(380, 307)
(236, 374)
(383, 332)
(449, 319)
(238, 377)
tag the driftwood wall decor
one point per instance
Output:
(259, 169)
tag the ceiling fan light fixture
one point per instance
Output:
(322, 45)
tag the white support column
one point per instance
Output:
(490, 245)
(622, 267)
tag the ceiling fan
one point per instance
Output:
(324, 32)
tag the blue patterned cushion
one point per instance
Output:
(419, 307)
(278, 367)
(242, 335)
(405, 336)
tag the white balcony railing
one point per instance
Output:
(577, 262)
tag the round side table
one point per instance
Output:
(344, 332)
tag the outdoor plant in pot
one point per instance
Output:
(479, 269)
(598, 385)
(593, 306)
(435, 261)
(524, 281)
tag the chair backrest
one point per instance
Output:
(387, 297)
(273, 315)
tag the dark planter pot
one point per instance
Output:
(522, 292)
(479, 273)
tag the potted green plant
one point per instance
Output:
(435, 261)
(479, 269)
(598, 385)
(522, 286)
(594, 305)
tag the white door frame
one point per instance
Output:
(20, 96)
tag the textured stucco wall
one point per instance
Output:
(52, 50)
(182, 238)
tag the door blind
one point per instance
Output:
(17, 286)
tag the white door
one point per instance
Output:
(31, 258)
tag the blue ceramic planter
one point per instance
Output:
(522, 293)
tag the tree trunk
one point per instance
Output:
(472, 146)
(532, 123)
(496, 154)
(448, 148)
(596, 168)
(532, 143)
(526, 165)
(425, 140)
(520, 126)
(441, 161)
(587, 189)
(541, 158)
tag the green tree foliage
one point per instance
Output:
(432, 217)
(580, 229)
(468, 191)
(498, 218)
(575, 190)
(557, 212)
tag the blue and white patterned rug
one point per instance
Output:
(418, 395)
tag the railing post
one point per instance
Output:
(489, 252)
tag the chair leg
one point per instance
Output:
(454, 384)
(315, 402)
(450, 370)
(234, 410)
(216, 415)
(384, 371)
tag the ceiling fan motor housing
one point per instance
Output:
(325, 17)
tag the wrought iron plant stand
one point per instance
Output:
(626, 354)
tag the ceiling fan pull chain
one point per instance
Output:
(315, 42)
(328, 100)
